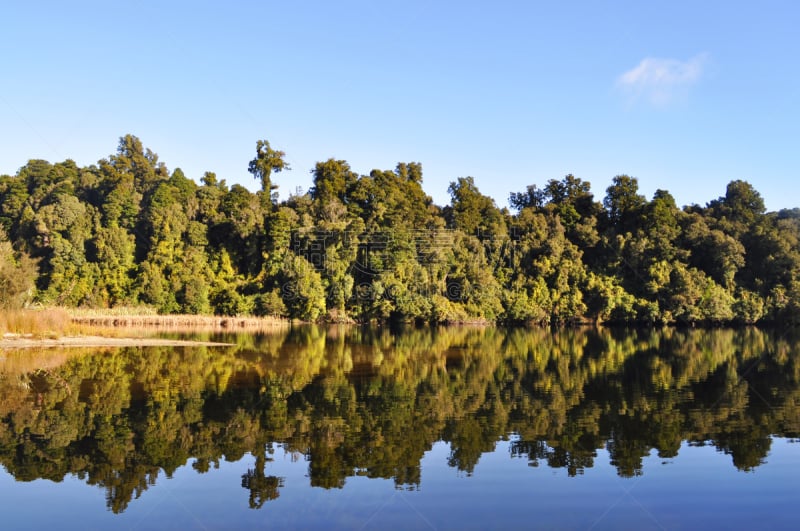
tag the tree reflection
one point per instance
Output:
(371, 402)
(262, 487)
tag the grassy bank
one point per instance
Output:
(179, 322)
(46, 323)
(60, 322)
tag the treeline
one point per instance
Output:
(375, 247)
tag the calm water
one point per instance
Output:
(421, 429)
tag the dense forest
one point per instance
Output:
(128, 232)
(365, 402)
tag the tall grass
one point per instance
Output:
(60, 322)
(178, 322)
(49, 322)
(111, 312)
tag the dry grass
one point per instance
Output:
(51, 322)
(178, 322)
(109, 312)
(59, 322)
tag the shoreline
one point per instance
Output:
(178, 321)
(14, 341)
(60, 327)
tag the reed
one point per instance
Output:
(136, 321)
(48, 322)
(116, 311)
(60, 322)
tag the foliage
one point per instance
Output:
(17, 276)
(375, 247)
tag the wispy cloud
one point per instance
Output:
(662, 81)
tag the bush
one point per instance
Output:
(17, 275)
(269, 304)
(227, 301)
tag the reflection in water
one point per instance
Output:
(369, 402)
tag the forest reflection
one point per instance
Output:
(371, 401)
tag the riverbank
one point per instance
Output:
(116, 327)
(16, 341)
(178, 322)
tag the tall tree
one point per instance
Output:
(623, 202)
(333, 179)
(473, 212)
(266, 161)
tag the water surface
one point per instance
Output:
(427, 428)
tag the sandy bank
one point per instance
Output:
(9, 341)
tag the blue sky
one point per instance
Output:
(684, 96)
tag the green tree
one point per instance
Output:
(741, 203)
(624, 203)
(302, 290)
(473, 212)
(333, 179)
(17, 275)
(267, 161)
(140, 163)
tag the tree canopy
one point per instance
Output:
(127, 230)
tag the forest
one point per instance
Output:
(373, 248)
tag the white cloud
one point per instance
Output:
(661, 81)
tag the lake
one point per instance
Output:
(420, 428)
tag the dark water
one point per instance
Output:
(422, 429)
